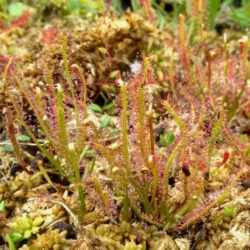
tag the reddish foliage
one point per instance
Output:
(49, 36)
(19, 22)
(225, 158)
(146, 4)
(22, 20)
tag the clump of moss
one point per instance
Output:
(21, 228)
(49, 240)
(110, 44)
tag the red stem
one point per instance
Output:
(15, 145)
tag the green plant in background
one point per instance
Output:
(150, 8)
(73, 7)
(89, 6)
(213, 11)
(10, 11)
(240, 15)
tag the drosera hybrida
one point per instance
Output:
(137, 178)
(142, 172)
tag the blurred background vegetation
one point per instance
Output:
(219, 12)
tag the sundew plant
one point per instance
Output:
(167, 185)
(64, 130)
(141, 173)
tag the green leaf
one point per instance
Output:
(41, 140)
(163, 141)
(17, 9)
(23, 138)
(40, 132)
(102, 50)
(109, 106)
(135, 5)
(16, 237)
(213, 9)
(240, 16)
(7, 148)
(117, 5)
(96, 108)
(105, 122)
(10, 242)
(170, 138)
(113, 89)
(114, 74)
(89, 9)
(74, 5)
(2, 206)
(167, 141)
(104, 97)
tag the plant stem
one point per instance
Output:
(125, 129)
(125, 150)
(14, 142)
(80, 189)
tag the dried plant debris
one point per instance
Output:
(107, 48)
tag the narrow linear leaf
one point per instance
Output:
(23, 138)
(109, 106)
(213, 11)
(7, 148)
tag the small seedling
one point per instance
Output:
(228, 211)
